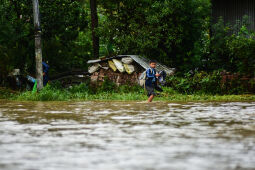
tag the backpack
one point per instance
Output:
(142, 78)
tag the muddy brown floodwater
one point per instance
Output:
(126, 136)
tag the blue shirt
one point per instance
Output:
(45, 67)
(150, 77)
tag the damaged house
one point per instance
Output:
(122, 69)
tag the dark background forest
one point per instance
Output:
(177, 33)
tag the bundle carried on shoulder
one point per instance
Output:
(142, 78)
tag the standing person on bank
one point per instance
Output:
(46, 68)
(151, 80)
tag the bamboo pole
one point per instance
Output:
(38, 45)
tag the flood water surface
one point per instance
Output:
(127, 136)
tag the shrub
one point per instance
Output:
(211, 83)
(106, 86)
(81, 88)
(129, 89)
(232, 48)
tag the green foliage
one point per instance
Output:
(128, 89)
(200, 82)
(6, 93)
(242, 51)
(50, 93)
(107, 86)
(170, 31)
(63, 22)
(173, 32)
(234, 53)
(14, 35)
(210, 83)
(82, 92)
(81, 88)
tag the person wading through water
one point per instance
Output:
(151, 80)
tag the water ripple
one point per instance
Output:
(127, 135)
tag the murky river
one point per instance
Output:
(126, 136)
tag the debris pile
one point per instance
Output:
(122, 69)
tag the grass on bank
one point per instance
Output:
(123, 93)
(6, 93)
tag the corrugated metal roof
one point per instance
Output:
(144, 62)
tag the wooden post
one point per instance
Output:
(38, 45)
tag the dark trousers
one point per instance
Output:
(45, 80)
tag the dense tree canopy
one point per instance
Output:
(175, 32)
(165, 30)
(61, 20)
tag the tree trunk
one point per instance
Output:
(94, 25)
(38, 45)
